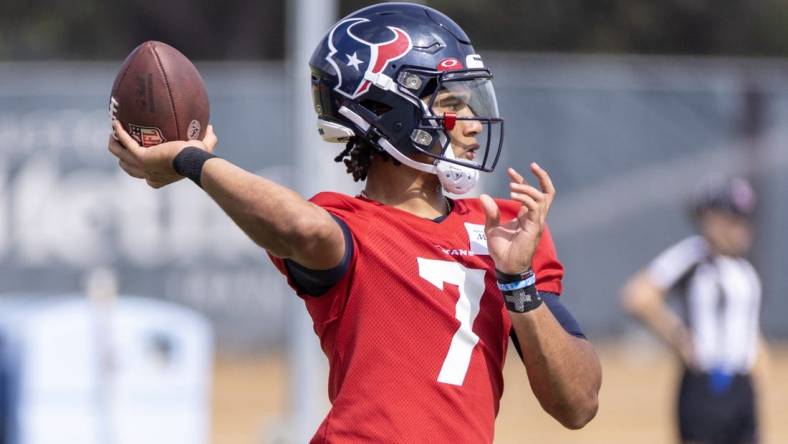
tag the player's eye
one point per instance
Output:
(452, 104)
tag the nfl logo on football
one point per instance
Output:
(146, 135)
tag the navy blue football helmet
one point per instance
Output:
(378, 73)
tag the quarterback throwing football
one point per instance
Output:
(414, 296)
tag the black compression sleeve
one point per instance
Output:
(318, 282)
(561, 314)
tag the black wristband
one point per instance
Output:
(519, 291)
(189, 162)
(506, 277)
(522, 300)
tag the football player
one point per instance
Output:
(414, 295)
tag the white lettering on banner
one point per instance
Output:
(140, 231)
(57, 219)
(88, 216)
(68, 130)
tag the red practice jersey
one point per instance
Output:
(416, 331)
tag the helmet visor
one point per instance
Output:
(464, 110)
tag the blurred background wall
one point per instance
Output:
(625, 138)
(626, 103)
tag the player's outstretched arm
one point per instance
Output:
(273, 216)
(563, 370)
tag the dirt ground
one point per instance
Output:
(636, 402)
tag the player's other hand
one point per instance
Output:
(512, 243)
(154, 163)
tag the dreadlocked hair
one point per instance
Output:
(357, 157)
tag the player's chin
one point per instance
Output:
(471, 156)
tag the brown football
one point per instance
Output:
(159, 96)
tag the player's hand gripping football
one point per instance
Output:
(154, 163)
(512, 244)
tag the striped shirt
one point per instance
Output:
(722, 297)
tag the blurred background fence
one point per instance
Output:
(624, 137)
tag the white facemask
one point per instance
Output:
(456, 179)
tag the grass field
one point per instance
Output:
(636, 403)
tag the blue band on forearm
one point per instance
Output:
(511, 286)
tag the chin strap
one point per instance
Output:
(334, 132)
(456, 179)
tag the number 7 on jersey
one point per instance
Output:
(470, 282)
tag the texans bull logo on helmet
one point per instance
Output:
(357, 61)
